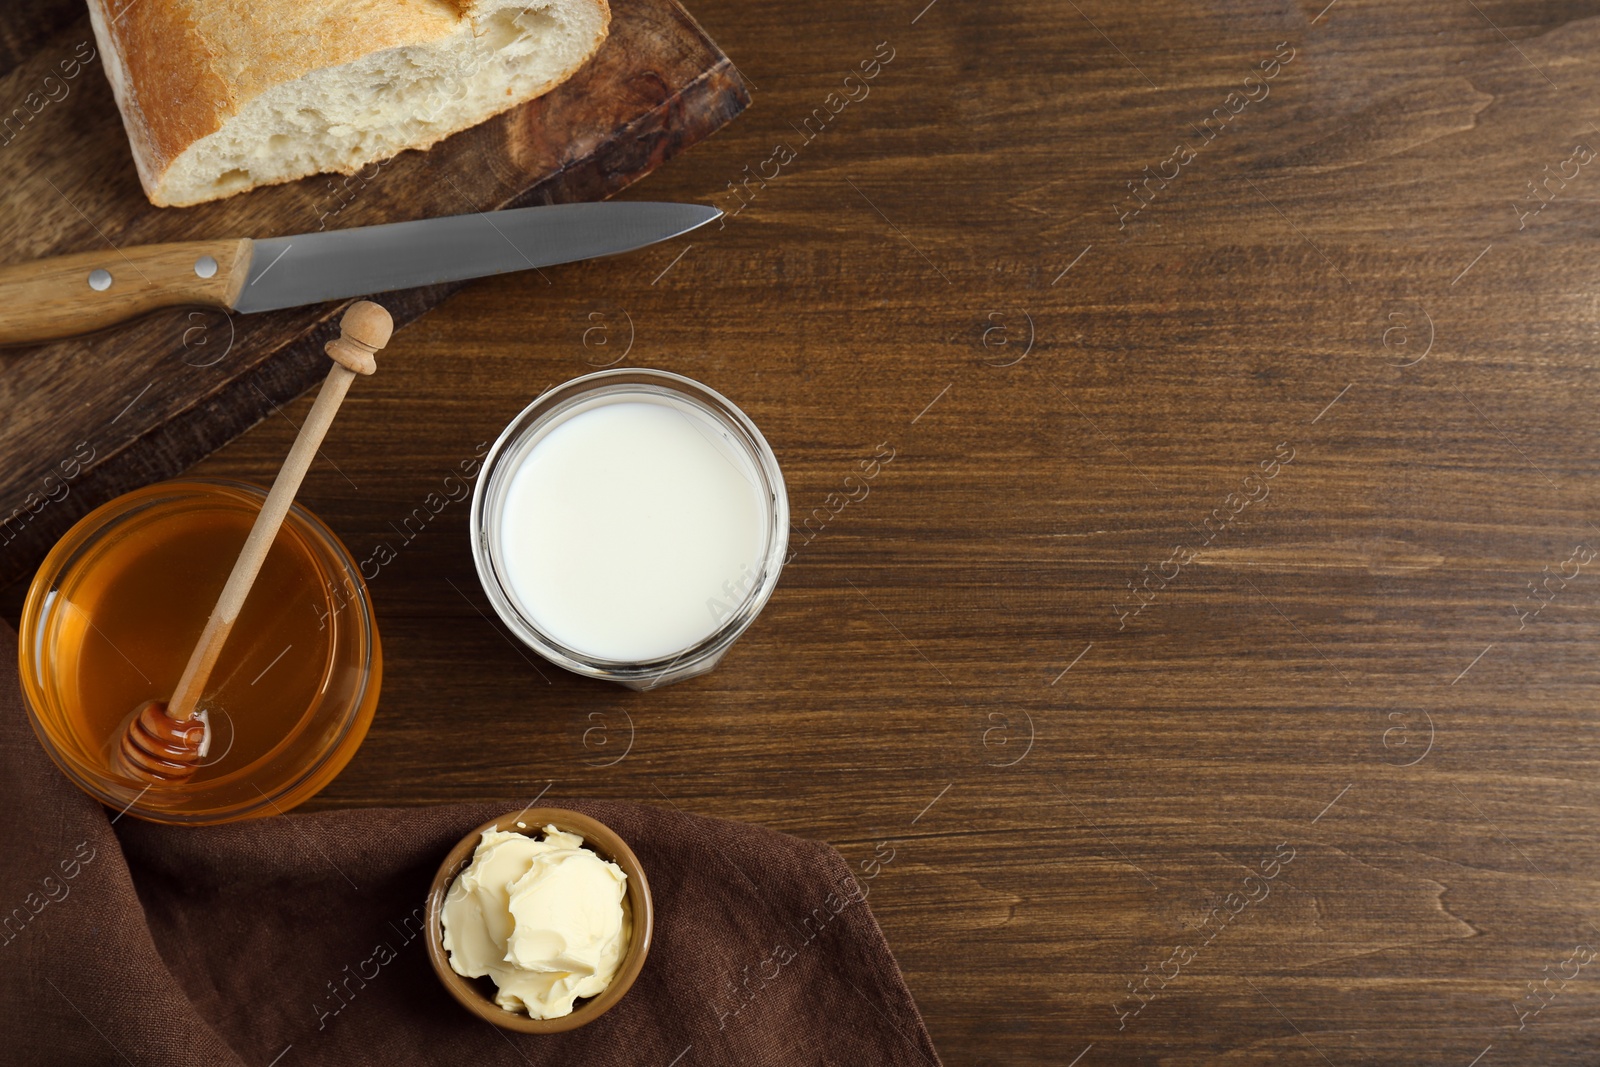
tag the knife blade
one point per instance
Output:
(74, 294)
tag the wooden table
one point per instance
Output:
(1214, 658)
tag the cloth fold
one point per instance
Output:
(298, 940)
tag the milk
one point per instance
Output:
(633, 529)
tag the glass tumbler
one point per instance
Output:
(734, 433)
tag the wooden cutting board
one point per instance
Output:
(84, 420)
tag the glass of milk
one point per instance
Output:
(630, 525)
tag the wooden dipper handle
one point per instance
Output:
(364, 329)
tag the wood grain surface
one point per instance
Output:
(1209, 677)
(90, 418)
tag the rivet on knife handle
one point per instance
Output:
(49, 299)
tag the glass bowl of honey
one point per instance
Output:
(116, 609)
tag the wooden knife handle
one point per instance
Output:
(69, 295)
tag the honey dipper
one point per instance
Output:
(164, 742)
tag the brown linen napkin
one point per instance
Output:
(295, 940)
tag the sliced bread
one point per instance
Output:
(221, 96)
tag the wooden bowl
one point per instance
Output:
(477, 994)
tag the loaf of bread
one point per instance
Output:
(220, 96)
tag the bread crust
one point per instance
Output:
(182, 69)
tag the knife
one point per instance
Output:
(75, 294)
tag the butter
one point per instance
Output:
(546, 919)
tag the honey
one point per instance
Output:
(115, 612)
